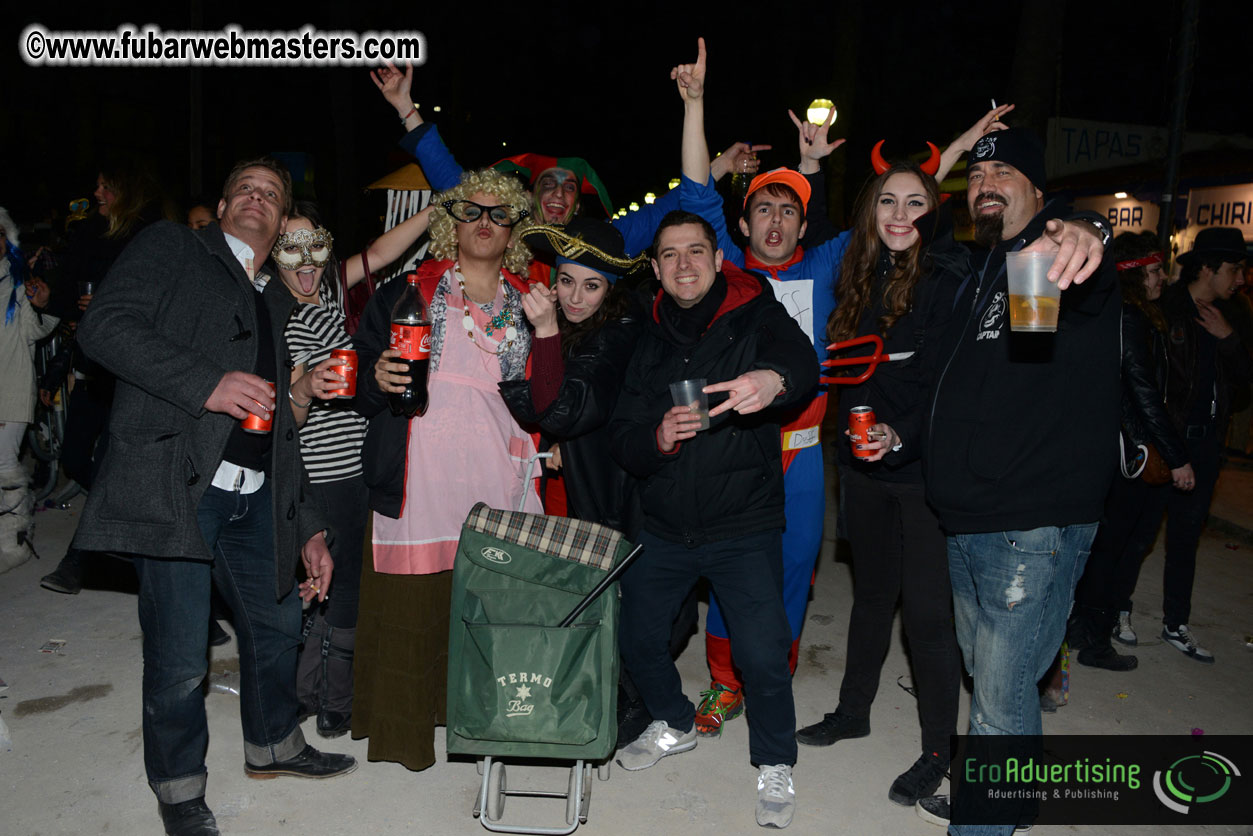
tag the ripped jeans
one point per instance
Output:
(1012, 592)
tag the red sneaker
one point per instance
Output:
(717, 705)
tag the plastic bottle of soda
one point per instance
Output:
(411, 336)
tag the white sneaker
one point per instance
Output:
(1181, 639)
(776, 797)
(1123, 631)
(657, 741)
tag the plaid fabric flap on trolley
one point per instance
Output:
(518, 684)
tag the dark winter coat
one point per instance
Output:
(578, 418)
(175, 314)
(1144, 362)
(1233, 366)
(1024, 427)
(727, 481)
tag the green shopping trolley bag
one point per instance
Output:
(519, 684)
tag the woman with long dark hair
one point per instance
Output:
(888, 287)
(586, 327)
(128, 199)
(1134, 508)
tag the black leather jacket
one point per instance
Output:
(1234, 365)
(578, 418)
(1144, 363)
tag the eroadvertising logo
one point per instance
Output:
(1194, 779)
(1100, 779)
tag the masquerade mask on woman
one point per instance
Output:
(294, 250)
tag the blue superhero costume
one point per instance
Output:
(805, 285)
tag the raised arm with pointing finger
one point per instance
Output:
(442, 170)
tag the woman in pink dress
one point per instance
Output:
(425, 473)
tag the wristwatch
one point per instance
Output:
(1102, 229)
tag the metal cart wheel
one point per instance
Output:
(496, 791)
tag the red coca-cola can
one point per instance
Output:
(346, 369)
(860, 418)
(257, 425)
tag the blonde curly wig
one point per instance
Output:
(504, 188)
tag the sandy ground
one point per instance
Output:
(75, 763)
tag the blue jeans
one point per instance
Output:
(1012, 592)
(174, 616)
(746, 573)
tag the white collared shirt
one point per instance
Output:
(244, 253)
(230, 476)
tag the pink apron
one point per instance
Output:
(467, 448)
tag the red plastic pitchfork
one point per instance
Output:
(871, 361)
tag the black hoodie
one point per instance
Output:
(1024, 427)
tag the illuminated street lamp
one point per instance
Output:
(1120, 195)
(650, 198)
(634, 207)
(674, 183)
(818, 109)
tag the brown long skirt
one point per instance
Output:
(401, 666)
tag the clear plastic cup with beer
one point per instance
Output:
(689, 393)
(1034, 301)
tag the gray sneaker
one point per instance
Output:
(776, 797)
(1124, 632)
(657, 741)
(1181, 639)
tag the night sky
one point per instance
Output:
(568, 80)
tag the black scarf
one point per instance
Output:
(685, 325)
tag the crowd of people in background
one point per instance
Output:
(557, 329)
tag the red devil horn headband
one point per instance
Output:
(931, 166)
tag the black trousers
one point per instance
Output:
(1133, 513)
(1186, 515)
(899, 552)
(347, 502)
(746, 573)
(85, 421)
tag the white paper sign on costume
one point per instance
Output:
(798, 297)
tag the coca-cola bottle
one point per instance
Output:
(411, 336)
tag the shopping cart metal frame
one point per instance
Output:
(534, 593)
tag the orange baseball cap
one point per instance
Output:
(791, 178)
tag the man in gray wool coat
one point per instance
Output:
(199, 501)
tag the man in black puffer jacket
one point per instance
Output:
(712, 499)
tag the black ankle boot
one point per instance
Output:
(1081, 626)
(1108, 658)
(68, 576)
(1099, 652)
(832, 727)
(188, 818)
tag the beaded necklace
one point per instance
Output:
(504, 319)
